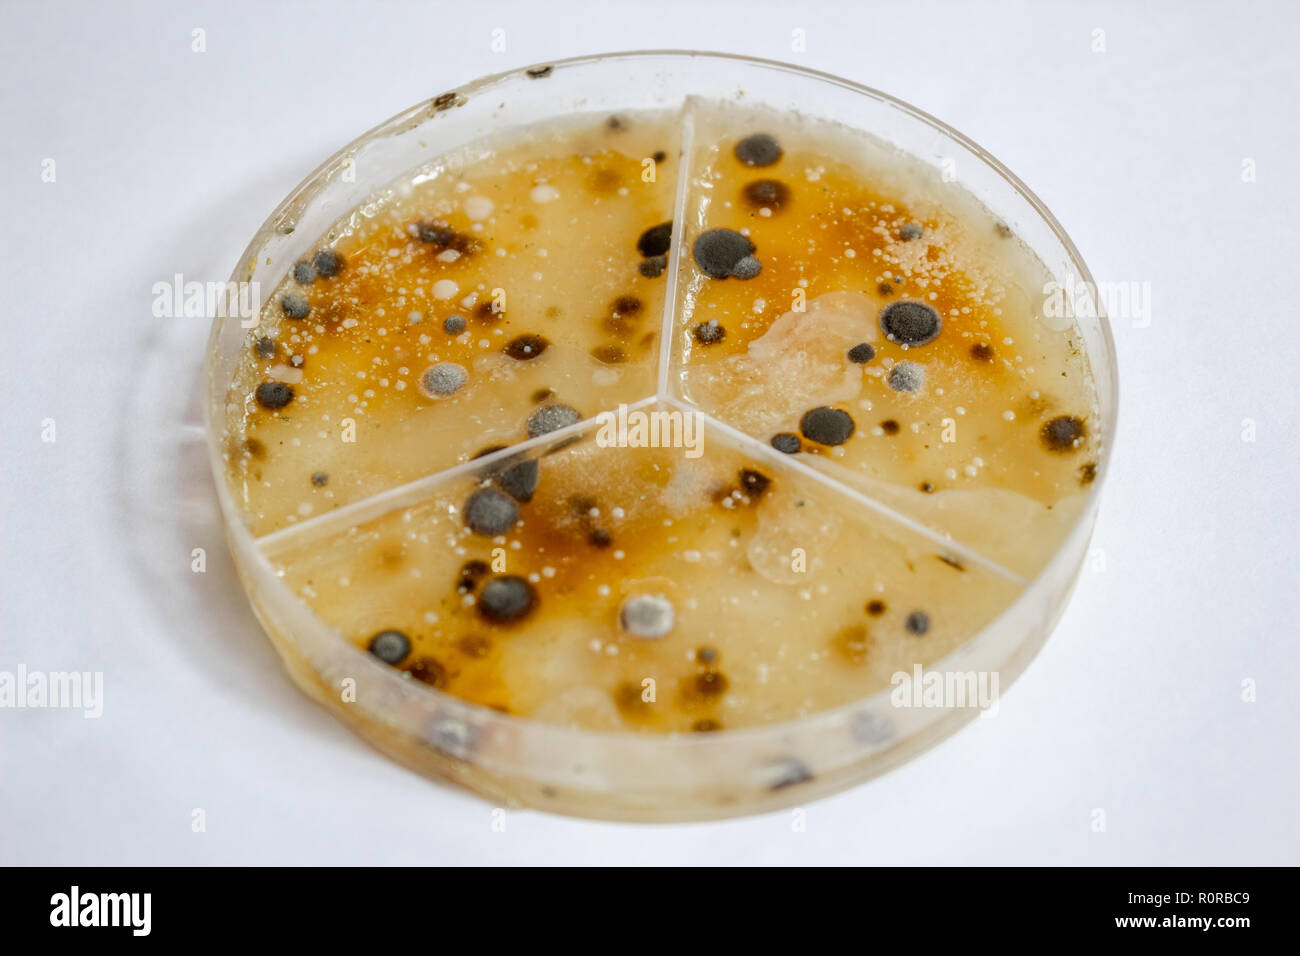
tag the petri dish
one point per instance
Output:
(885, 390)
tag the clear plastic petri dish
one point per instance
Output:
(975, 566)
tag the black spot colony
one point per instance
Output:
(723, 253)
(709, 333)
(910, 323)
(656, 240)
(526, 346)
(760, 149)
(295, 307)
(549, 418)
(1062, 433)
(274, 395)
(506, 598)
(754, 482)
(787, 443)
(826, 426)
(391, 647)
(519, 480)
(489, 512)
(862, 354)
(328, 263)
(767, 193)
(652, 267)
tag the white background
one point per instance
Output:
(168, 160)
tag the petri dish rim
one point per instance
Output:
(889, 757)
